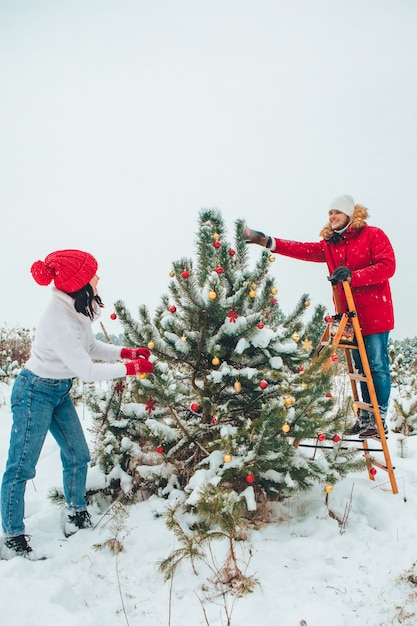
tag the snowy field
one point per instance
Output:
(310, 573)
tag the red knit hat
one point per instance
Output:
(70, 270)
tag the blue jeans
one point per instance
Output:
(377, 353)
(38, 405)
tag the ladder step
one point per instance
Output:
(365, 406)
(381, 465)
(358, 377)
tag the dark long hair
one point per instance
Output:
(84, 300)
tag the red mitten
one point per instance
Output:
(135, 353)
(140, 366)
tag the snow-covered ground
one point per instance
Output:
(310, 572)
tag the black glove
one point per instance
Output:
(339, 275)
(256, 236)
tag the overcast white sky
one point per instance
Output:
(120, 119)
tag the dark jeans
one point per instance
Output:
(377, 353)
(39, 405)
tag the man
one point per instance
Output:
(364, 256)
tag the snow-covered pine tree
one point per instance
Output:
(234, 393)
(403, 413)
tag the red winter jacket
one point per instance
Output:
(369, 255)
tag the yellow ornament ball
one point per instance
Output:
(151, 345)
(272, 259)
(171, 274)
(141, 376)
(212, 295)
(274, 291)
(227, 458)
(288, 401)
(328, 488)
(237, 386)
(307, 303)
(215, 360)
(216, 236)
(285, 428)
(295, 337)
(252, 294)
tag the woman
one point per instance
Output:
(64, 348)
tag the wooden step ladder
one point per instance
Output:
(343, 331)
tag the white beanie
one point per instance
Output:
(344, 204)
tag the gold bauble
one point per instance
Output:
(141, 376)
(272, 259)
(328, 488)
(227, 458)
(252, 294)
(171, 274)
(285, 428)
(212, 295)
(295, 337)
(215, 360)
(274, 291)
(151, 345)
(237, 386)
(307, 303)
(216, 236)
(288, 401)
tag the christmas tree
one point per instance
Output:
(235, 403)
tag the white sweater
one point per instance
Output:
(64, 345)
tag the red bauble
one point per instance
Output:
(219, 269)
(172, 309)
(329, 395)
(195, 407)
(185, 274)
(113, 316)
(328, 318)
(214, 420)
(250, 478)
(336, 438)
(217, 244)
(232, 252)
(372, 471)
(263, 384)
(321, 437)
(334, 358)
(160, 449)
(261, 325)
